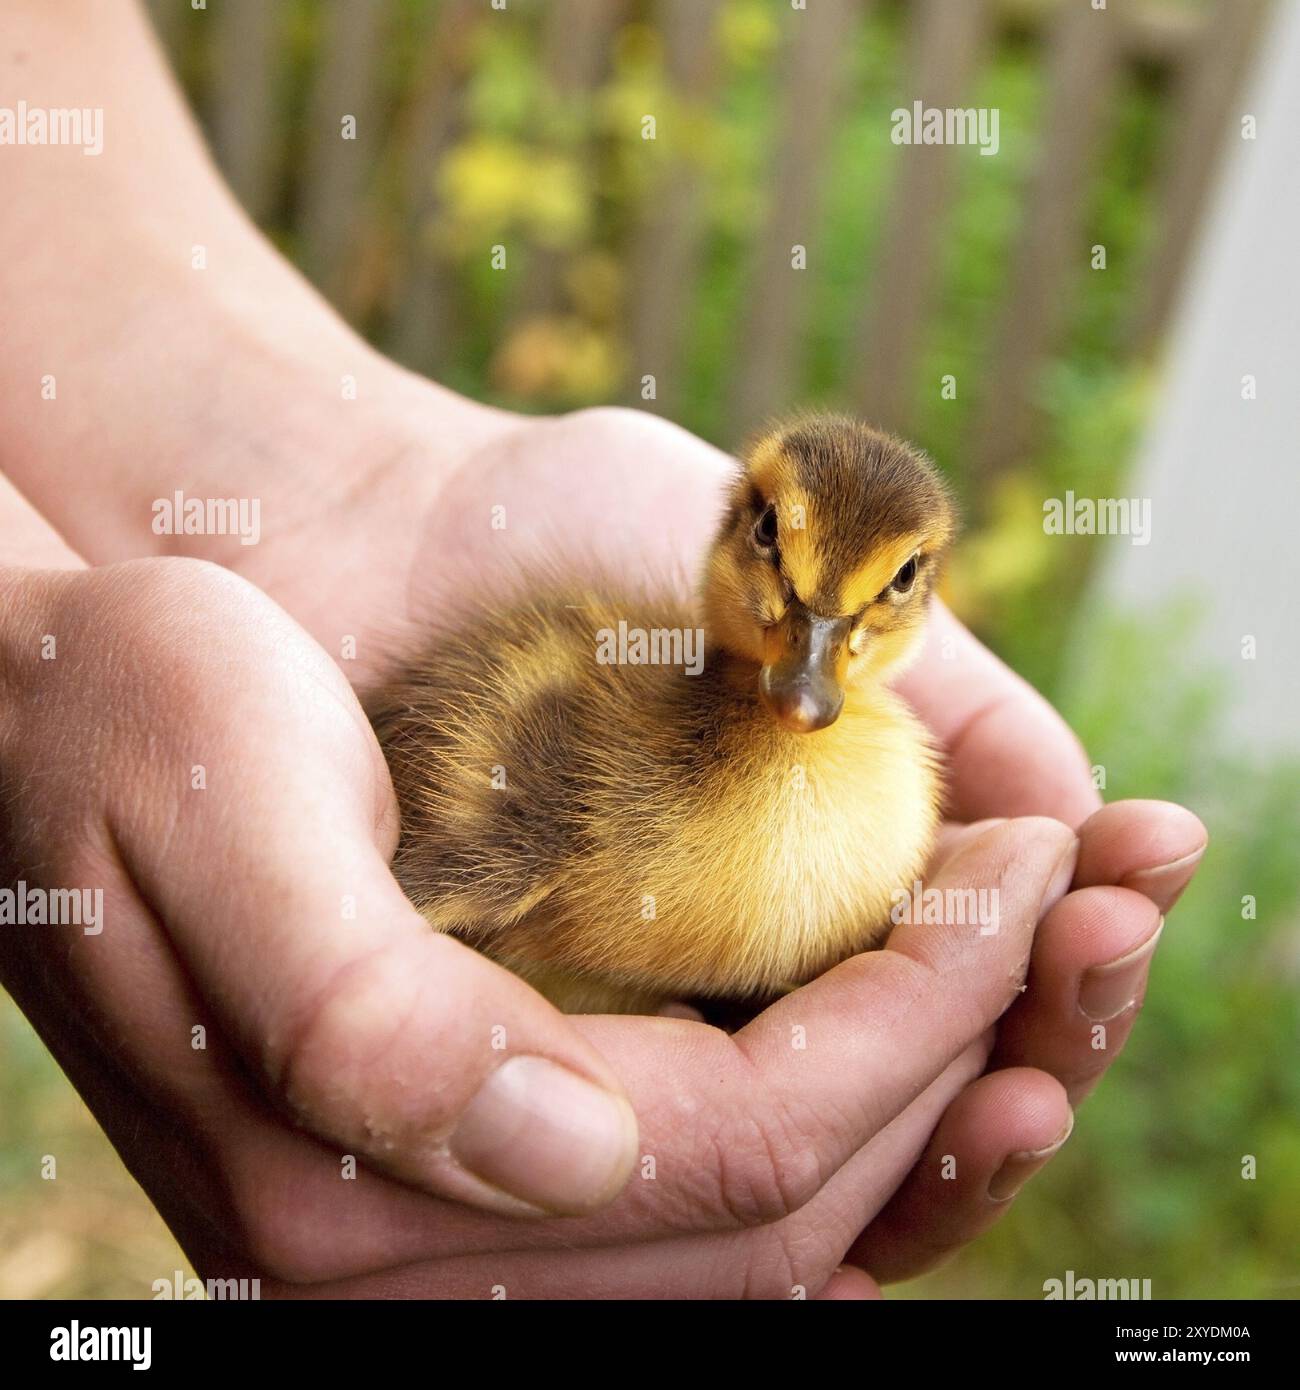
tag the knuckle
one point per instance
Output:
(617, 426)
(329, 1067)
(764, 1170)
(173, 618)
(149, 596)
(614, 418)
(309, 1061)
(790, 1260)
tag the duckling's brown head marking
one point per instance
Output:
(824, 561)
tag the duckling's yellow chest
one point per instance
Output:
(623, 834)
(780, 857)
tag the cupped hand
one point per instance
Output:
(173, 741)
(319, 1092)
(618, 492)
(262, 1006)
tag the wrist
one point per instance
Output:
(211, 397)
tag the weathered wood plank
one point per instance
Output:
(665, 255)
(948, 45)
(1051, 251)
(1160, 32)
(422, 326)
(337, 170)
(1200, 123)
(770, 340)
(247, 132)
(576, 39)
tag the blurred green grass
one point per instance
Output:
(1151, 1183)
(88, 1231)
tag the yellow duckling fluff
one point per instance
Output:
(725, 821)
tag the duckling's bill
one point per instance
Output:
(805, 658)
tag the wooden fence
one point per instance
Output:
(361, 212)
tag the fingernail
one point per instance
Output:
(972, 832)
(1062, 876)
(547, 1136)
(1018, 1168)
(1164, 885)
(1107, 990)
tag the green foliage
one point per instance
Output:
(1151, 1183)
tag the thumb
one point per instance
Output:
(380, 1036)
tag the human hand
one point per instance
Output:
(652, 491)
(224, 908)
(172, 742)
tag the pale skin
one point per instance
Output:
(775, 1167)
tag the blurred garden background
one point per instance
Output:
(957, 298)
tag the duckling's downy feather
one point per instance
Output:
(621, 834)
(655, 830)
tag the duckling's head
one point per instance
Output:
(820, 572)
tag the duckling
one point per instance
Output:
(724, 824)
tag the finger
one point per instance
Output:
(956, 835)
(743, 1131)
(1152, 847)
(841, 1057)
(663, 1060)
(377, 1226)
(1002, 1129)
(850, 1284)
(173, 1097)
(1007, 750)
(404, 1046)
(1087, 979)
(782, 1260)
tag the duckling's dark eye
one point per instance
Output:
(905, 577)
(765, 528)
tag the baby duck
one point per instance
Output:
(621, 833)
